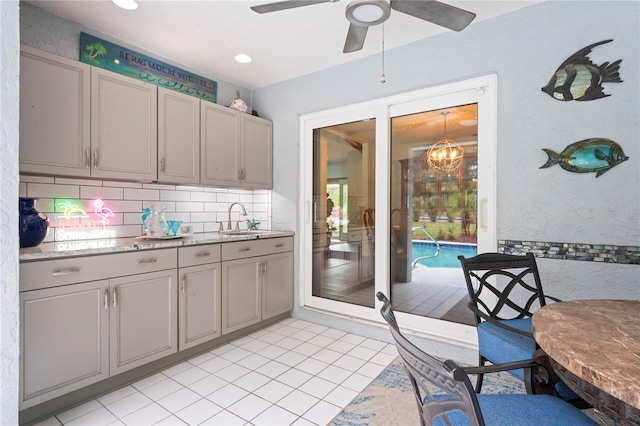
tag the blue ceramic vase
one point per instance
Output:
(34, 225)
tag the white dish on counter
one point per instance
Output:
(164, 237)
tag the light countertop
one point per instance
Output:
(62, 249)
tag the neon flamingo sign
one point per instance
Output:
(76, 224)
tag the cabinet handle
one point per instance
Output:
(106, 299)
(264, 268)
(183, 282)
(162, 165)
(244, 249)
(61, 272)
(239, 174)
(279, 245)
(203, 254)
(149, 260)
(87, 158)
(115, 298)
(95, 159)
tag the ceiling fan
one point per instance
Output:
(365, 13)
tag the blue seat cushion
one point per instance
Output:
(499, 345)
(522, 410)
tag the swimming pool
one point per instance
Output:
(449, 252)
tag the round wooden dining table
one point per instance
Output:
(594, 347)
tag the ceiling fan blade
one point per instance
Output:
(288, 4)
(435, 12)
(355, 38)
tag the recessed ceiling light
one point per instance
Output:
(243, 59)
(126, 4)
(468, 122)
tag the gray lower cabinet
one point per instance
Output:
(255, 285)
(75, 332)
(199, 295)
(144, 319)
(64, 339)
(277, 284)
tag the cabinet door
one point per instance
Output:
(241, 304)
(124, 127)
(199, 305)
(257, 152)
(277, 284)
(143, 320)
(54, 114)
(178, 137)
(219, 145)
(64, 340)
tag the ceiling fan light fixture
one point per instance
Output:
(126, 4)
(368, 12)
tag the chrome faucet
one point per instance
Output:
(244, 213)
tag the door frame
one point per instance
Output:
(481, 90)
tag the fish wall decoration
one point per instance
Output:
(596, 155)
(579, 79)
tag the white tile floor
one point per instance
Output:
(291, 373)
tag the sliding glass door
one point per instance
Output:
(384, 209)
(344, 199)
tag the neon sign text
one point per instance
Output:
(76, 224)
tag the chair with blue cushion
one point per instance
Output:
(445, 396)
(503, 291)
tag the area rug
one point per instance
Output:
(389, 400)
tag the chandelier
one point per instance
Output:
(445, 155)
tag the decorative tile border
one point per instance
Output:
(573, 251)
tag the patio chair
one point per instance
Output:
(445, 396)
(508, 287)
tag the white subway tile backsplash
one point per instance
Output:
(51, 190)
(158, 186)
(168, 206)
(189, 207)
(199, 207)
(204, 196)
(132, 218)
(122, 184)
(190, 188)
(101, 192)
(203, 217)
(141, 194)
(175, 196)
(228, 197)
(45, 205)
(71, 181)
(215, 207)
(130, 206)
(36, 179)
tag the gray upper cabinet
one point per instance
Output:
(236, 148)
(220, 145)
(82, 121)
(124, 129)
(257, 152)
(54, 114)
(178, 137)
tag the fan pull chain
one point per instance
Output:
(382, 77)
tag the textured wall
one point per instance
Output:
(9, 330)
(523, 48)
